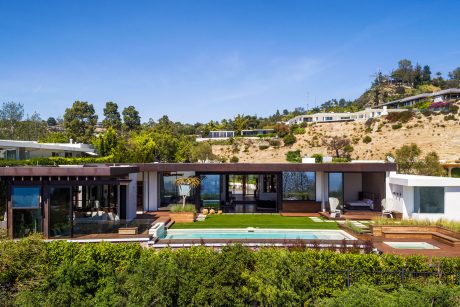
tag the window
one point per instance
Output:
(169, 191)
(269, 184)
(336, 186)
(429, 199)
(299, 186)
(328, 118)
(25, 197)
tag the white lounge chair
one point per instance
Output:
(387, 208)
(334, 203)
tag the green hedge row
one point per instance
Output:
(59, 273)
(55, 161)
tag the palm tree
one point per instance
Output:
(185, 184)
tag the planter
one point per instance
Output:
(182, 217)
(128, 230)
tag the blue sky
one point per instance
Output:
(207, 60)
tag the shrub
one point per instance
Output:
(234, 159)
(298, 131)
(263, 147)
(293, 156)
(180, 208)
(367, 139)
(318, 158)
(289, 140)
(449, 117)
(274, 142)
(402, 117)
(396, 126)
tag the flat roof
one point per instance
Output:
(423, 181)
(68, 170)
(79, 147)
(268, 167)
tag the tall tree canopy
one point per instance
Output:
(131, 118)
(112, 117)
(80, 121)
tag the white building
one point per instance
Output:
(424, 197)
(21, 150)
(450, 94)
(340, 117)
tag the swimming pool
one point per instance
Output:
(256, 233)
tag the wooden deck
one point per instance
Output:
(354, 215)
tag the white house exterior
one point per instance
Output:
(424, 197)
(450, 94)
(20, 150)
(340, 117)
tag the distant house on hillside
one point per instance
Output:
(447, 95)
(22, 150)
(339, 117)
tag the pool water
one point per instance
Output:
(255, 233)
(411, 245)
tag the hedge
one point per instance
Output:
(56, 161)
(59, 273)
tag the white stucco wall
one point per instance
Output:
(151, 191)
(131, 197)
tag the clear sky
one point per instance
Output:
(200, 60)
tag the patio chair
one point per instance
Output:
(387, 208)
(334, 203)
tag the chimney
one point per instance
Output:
(71, 141)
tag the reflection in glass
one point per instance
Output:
(169, 191)
(336, 186)
(299, 186)
(59, 206)
(25, 197)
(210, 189)
(429, 199)
(26, 222)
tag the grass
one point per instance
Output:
(452, 225)
(256, 220)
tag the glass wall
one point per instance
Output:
(169, 191)
(269, 183)
(210, 190)
(336, 186)
(27, 213)
(429, 199)
(60, 200)
(299, 186)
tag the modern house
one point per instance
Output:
(226, 134)
(340, 117)
(74, 201)
(21, 150)
(447, 95)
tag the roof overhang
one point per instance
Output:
(423, 181)
(268, 167)
(68, 170)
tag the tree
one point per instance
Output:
(53, 137)
(455, 74)
(240, 122)
(112, 116)
(202, 152)
(407, 158)
(281, 130)
(430, 165)
(289, 139)
(417, 75)
(107, 143)
(143, 147)
(80, 121)
(405, 71)
(11, 114)
(426, 73)
(51, 121)
(340, 146)
(131, 118)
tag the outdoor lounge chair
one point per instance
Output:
(387, 208)
(334, 203)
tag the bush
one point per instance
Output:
(293, 156)
(402, 117)
(318, 158)
(234, 159)
(449, 117)
(396, 126)
(274, 142)
(289, 140)
(298, 131)
(367, 139)
(180, 208)
(263, 147)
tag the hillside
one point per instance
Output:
(432, 133)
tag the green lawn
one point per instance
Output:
(261, 221)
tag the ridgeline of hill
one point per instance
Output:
(370, 141)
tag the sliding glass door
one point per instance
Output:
(60, 204)
(335, 183)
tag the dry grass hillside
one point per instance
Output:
(431, 133)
